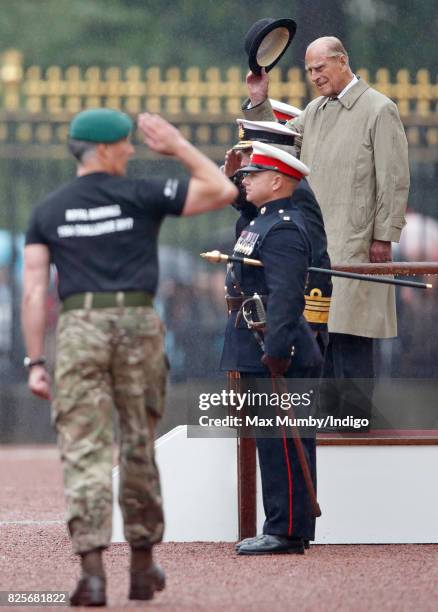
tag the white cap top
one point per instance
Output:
(267, 126)
(266, 155)
(285, 111)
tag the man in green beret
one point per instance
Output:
(101, 230)
(100, 125)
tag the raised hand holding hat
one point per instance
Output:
(266, 41)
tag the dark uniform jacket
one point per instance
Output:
(319, 286)
(279, 238)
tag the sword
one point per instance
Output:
(279, 386)
(257, 327)
(218, 257)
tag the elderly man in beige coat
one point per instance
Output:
(355, 146)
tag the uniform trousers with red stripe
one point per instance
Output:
(285, 498)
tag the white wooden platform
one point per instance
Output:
(368, 494)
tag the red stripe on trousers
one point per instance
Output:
(289, 478)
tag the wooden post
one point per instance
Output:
(246, 472)
(246, 487)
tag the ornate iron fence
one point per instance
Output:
(36, 106)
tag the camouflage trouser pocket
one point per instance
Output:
(83, 353)
(157, 368)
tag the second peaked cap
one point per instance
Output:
(284, 112)
(264, 131)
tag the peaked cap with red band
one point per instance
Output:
(284, 112)
(267, 157)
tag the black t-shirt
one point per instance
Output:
(102, 231)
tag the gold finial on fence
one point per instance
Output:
(11, 75)
(383, 83)
(402, 92)
(424, 93)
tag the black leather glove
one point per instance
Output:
(240, 201)
(276, 365)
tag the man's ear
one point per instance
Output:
(343, 59)
(101, 150)
(277, 181)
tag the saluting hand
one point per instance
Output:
(232, 162)
(257, 85)
(159, 135)
(39, 382)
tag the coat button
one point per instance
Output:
(281, 211)
(263, 210)
(251, 222)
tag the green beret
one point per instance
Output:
(100, 125)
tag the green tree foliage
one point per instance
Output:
(394, 33)
(319, 18)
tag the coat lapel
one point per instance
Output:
(350, 98)
(353, 94)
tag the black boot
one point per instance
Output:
(145, 576)
(90, 590)
(272, 544)
(259, 537)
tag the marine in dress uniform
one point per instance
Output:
(101, 231)
(319, 286)
(279, 238)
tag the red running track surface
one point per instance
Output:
(35, 554)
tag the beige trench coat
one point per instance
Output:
(357, 153)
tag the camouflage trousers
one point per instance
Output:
(106, 357)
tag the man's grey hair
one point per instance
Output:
(81, 148)
(335, 48)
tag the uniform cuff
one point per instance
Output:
(391, 233)
(388, 235)
(317, 307)
(259, 112)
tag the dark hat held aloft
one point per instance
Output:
(266, 41)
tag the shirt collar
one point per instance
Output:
(350, 94)
(350, 84)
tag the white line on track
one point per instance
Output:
(30, 522)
